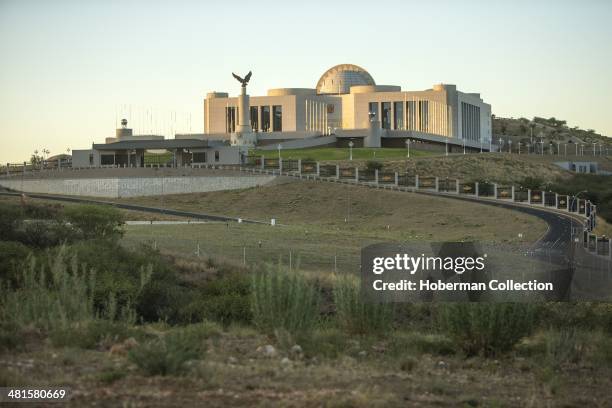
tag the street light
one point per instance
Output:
(351, 144)
(407, 147)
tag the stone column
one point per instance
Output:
(337, 171)
(528, 196)
(495, 190)
(318, 169)
(476, 186)
(437, 185)
(416, 181)
(356, 174)
(300, 167)
(396, 179)
(376, 176)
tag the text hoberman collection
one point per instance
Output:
(494, 284)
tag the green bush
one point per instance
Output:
(10, 218)
(45, 233)
(50, 297)
(487, 329)
(94, 221)
(283, 300)
(168, 355)
(226, 300)
(13, 256)
(355, 314)
(372, 166)
(328, 342)
(10, 337)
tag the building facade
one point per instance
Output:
(347, 103)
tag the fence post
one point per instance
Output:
(356, 174)
(376, 176)
(437, 185)
(476, 187)
(280, 166)
(337, 171)
(318, 169)
(416, 181)
(396, 179)
(512, 193)
(300, 167)
(457, 186)
(556, 200)
(495, 190)
(528, 196)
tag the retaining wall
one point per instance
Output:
(135, 186)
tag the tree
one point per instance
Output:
(95, 221)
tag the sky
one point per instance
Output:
(71, 69)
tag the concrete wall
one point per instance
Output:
(136, 186)
(303, 143)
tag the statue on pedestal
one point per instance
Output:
(243, 135)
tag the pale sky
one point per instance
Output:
(70, 69)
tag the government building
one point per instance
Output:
(347, 104)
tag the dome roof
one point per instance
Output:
(340, 78)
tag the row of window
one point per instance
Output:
(259, 116)
(417, 115)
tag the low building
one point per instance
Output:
(128, 150)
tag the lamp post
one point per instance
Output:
(501, 145)
(350, 145)
(407, 148)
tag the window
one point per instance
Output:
(373, 109)
(398, 115)
(423, 116)
(386, 115)
(254, 118)
(91, 159)
(216, 155)
(470, 121)
(265, 118)
(230, 119)
(199, 157)
(107, 159)
(277, 113)
(411, 115)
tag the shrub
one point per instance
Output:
(357, 315)
(45, 233)
(486, 328)
(225, 300)
(10, 218)
(168, 355)
(10, 337)
(372, 166)
(12, 258)
(283, 300)
(327, 342)
(50, 299)
(95, 221)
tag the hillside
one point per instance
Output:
(550, 130)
